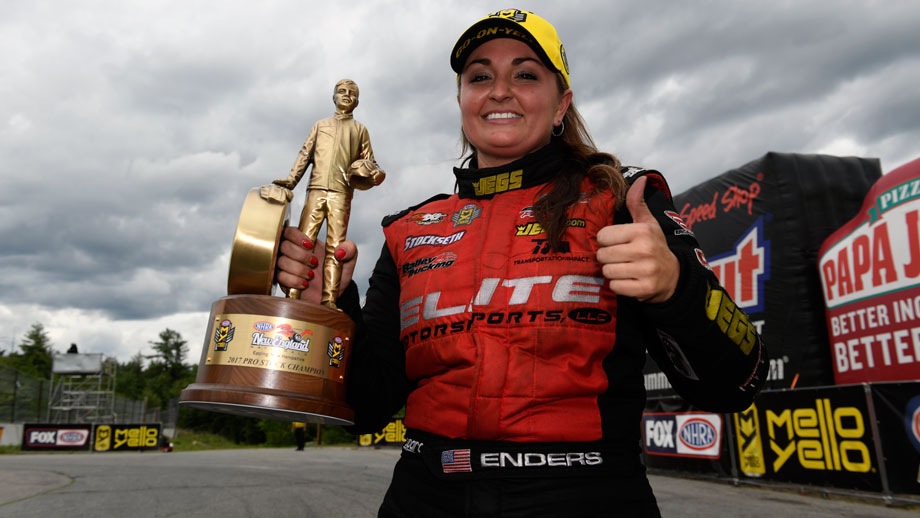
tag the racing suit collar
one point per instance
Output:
(534, 169)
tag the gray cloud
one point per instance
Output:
(129, 137)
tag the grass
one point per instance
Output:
(190, 440)
(4, 450)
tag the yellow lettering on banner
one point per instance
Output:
(852, 449)
(394, 432)
(783, 422)
(136, 437)
(821, 437)
(121, 438)
(103, 439)
(750, 446)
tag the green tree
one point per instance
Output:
(130, 381)
(36, 354)
(170, 353)
(167, 373)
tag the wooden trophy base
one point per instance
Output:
(274, 358)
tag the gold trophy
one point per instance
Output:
(283, 358)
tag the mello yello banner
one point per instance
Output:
(870, 271)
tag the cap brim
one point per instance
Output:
(468, 42)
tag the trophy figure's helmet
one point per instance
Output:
(364, 174)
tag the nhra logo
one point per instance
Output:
(697, 434)
(682, 435)
(264, 326)
(72, 437)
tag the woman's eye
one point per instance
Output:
(524, 74)
(477, 77)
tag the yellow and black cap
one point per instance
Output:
(525, 26)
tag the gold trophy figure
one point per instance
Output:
(339, 148)
(281, 357)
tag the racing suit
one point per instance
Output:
(517, 362)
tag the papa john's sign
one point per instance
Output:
(870, 272)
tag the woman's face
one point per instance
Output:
(509, 101)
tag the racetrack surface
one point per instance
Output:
(325, 482)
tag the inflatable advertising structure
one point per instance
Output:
(761, 226)
(870, 273)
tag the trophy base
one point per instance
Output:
(230, 399)
(274, 358)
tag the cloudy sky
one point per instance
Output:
(130, 132)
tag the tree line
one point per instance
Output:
(158, 375)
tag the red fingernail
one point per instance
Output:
(310, 274)
(340, 254)
(306, 283)
(314, 262)
(307, 244)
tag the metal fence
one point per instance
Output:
(23, 398)
(26, 399)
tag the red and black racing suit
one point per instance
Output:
(518, 363)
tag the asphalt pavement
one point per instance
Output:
(323, 482)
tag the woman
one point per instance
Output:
(512, 318)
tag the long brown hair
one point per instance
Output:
(583, 160)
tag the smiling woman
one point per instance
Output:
(519, 357)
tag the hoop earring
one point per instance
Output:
(558, 130)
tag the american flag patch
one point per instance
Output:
(455, 461)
